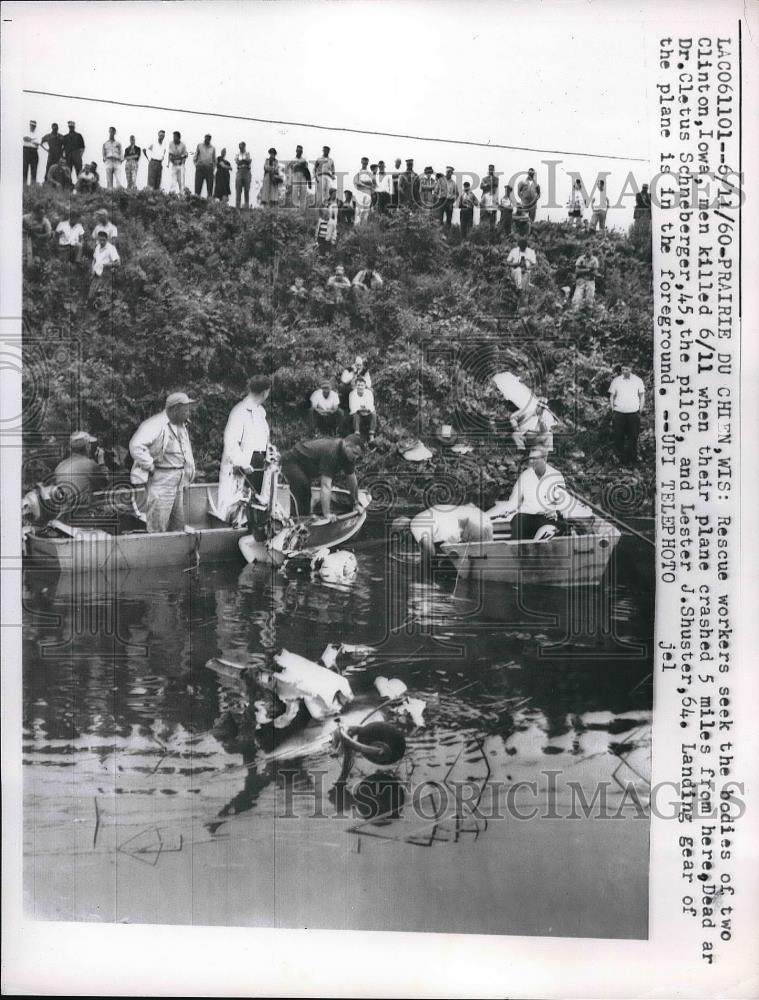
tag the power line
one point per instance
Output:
(337, 128)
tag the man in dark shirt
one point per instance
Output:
(52, 143)
(132, 156)
(79, 475)
(323, 459)
(73, 146)
(346, 213)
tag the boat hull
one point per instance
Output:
(205, 539)
(562, 561)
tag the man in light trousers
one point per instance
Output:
(163, 460)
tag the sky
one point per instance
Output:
(490, 72)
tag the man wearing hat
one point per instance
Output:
(447, 196)
(529, 193)
(113, 157)
(31, 156)
(79, 474)
(324, 172)
(408, 186)
(205, 161)
(163, 459)
(322, 459)
(73, 147)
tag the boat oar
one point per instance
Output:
(619, 523)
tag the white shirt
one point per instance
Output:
(328, 404)
(624, 393)
(68, 235)
(515, 257)
(105, 227)
(157, 150)
(30, 139)
(247, 431)
(158, 442)
(358, 404)
(544, 495)
(600, 201)
(384, 183)
(441, 524)
(349, 375)
(532, 421)
(102, 256)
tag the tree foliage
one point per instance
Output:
(201, 303)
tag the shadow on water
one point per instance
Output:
(116, 690)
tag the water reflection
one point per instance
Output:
(117, 693)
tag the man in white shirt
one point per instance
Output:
(105, 254)
(246, 439)
(113, 156)
(384, 186)
(446, 524)
(627, 396)
(361, 409)
(102, 224)
(325, 415)
(599, 208)
(70, 233)
(364, 183)
(31, 156)
(155, 154)
(538, 495)
(177, 154)
(522, 261)
(163, 460)
(532, 426)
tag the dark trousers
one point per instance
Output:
(524, 526)
(507, 214)
(326, 423)
(364, 423)
(242, 187)
(626, 428)
(300, 487)
(466, 220)
(75, 161)
(446, 213)
(155, 172)
(52, 159)
(204, 175)
(383, 202)
(31, 159)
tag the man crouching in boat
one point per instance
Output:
(322, 459)
(538, 496)
(445, 524)
(163, 460)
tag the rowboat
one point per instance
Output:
(576, 558)
(65, 547)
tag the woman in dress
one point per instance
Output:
(270, 189)
(221, 188)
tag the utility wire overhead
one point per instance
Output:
(337, 128)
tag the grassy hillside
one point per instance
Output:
(200, 303)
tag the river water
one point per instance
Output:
(149, 797)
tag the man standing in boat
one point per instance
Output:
(246, 439)
(538, 496)
(163, 460)
(323, 459)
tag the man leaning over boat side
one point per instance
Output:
(246, 438)
(446, 524)
(163, 460)
(538, 496)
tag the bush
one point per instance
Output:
(201, 303)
